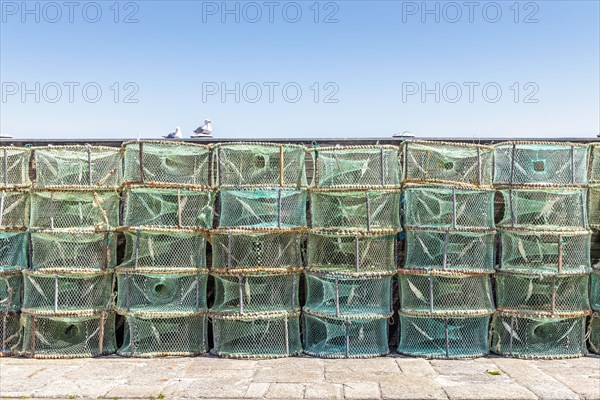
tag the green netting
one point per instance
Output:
(89, 335)
(248, 250)
(448, 163)
(259, 165)
(595, 290)
(356, 166)
(168, 208)
(10, 290)
(445, 337)
(444, 207)
(528, 336)
(62, 292)
(14, 209)
(77, 165)
(74, 209)
(13, 250)
(263, 208)
(330, 337)
(52, 250)
(594, 333)
(348, 296)
(555, 164)
(370, 210)
(162, 162)
(542, 293)
(164, 292)
(267, 336)
(595, 162)
(148, 335)
(544, 252)
(351, 252)
(594, 205)
(11, 334)
(15, 167)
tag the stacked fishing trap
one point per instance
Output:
(543, 272)
(162, 279)
(257, 249)
(355, 213)
(445, 285)
(594, 222)
(68, 288)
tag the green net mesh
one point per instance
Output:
(548, 164)
(14, 209)
(444, 207)
(168, 208)
(594, 205)
(330, 337)
(595, 290)
(10, 290)
(445, 337)
(594, 333)
(77, 165)
(595, 162)
(445, 162)
(12, 334)
(13, 251)
(267, 336)
(259, 165)
(368, 210)
(15, 167)
(357, 166)
(162, 162)
(526, 336)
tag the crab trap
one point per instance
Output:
(594, 205)
(237, 250)
(595, 162)
(595, 290)
(541, 164)
(270, 335)
(594, 333)
(77, 166)
(13, 251)
(164, 334)
(15, 167)
(356, 167)
(444, 162)
(444, 337)
(258, 165)
(263, 208)
(357, 209)
(349, 337)
(448, 207)
(539, 337)
(10, 290)
(14, 209)
(12, 334)
(152, 207)
(84, 335)
(163, 163)
(352, 251)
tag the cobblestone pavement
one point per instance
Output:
(391, 377)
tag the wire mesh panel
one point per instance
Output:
(264, 208)
(166, 162)
(541, 163)
(10, 290)
(445, 337)
(444, 207)
(330, 337)
(594, 205)
(268, 336)
(13, 250)
(360, 209)
(168, 208)
(594, 333)
(77, 166)
(528, 336)
(259, 165)
(87, 335)
(177, 334)
(595, 163)
(14, 209)
(15, 167)
(595, 290)
(446, 162)
(356, 167)
(11, 334)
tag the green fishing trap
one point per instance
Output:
(594, 333)
(259, 165)
(164, 334)
(14, 209)
(446, 162)
(595, 162)
(263, 208)
(595, 290)
(271, 335)
(15, 167)
(10, 290)
(13, 250)
(77, 166)
(349, 337)
(357, 209)
(594, 205)
(166, 163)
(540, 164)
(438, 207)
(444, 337)
(11, 334)
(370, 167)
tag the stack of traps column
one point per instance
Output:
(68, 288)
(256, 249)
(544, 268)
(162, 280)
(594, 222)
(445, 285)
(355, 202)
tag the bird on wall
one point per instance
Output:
(174, 135)
(204, 130)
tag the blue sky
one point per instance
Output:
(326, 69)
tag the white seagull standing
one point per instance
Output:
(203, 131)
(174, 135)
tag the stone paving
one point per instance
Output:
(392, 377)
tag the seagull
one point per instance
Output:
(404, 134)
(174, 135)
(203, 131)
